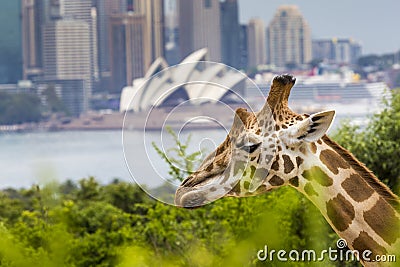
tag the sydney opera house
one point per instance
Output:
(193, 83)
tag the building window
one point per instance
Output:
(207, 3)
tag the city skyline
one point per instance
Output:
(371, 23)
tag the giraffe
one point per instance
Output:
(276, 147)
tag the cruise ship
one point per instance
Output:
(354, 100)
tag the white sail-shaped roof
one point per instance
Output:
(203, 82)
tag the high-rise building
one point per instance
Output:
(337, 50)
(83, 10)
(32, 20)
(289, 38)
(105, 9)
(243, 47)
(130, 49)
(67, 59)
(230, 33)
(70, 50)
(199, 27)
(10, 42)
(171, 33)
(136, 40)
(256, 43)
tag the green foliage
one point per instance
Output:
(19, 108)
(179, 161)
(378, 145)
(52, 228)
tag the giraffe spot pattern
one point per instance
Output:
(294, 181)
(309, 189)
(333, 161)
(313, 148)
(238, 166)
(276, 181)
(209, 168)
(299, 161)
(268, 158)
(287, 164)
(252, 171)
(340, 212)
(317, 174)
(275, 164)
(357, 188)
(382, 219)
(365, 242)
(246, 185)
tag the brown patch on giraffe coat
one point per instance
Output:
(309, 189)
(287, 164)
(357, 188)
(294, 181)
(317, 174)
(239, 165)
(275, 164)
(365, 242)
(313, 148)
(365, 173)
(333, 161)
(340, 212)
(209, 167)
(382, 219)
(276, 181)
(299, 161)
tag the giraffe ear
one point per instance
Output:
(310, 129)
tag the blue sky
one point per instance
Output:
(376, 24)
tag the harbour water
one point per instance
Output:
(42, 157)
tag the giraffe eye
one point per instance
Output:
(250, 148)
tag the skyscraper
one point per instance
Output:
(289, 38)
(83, 10)
(199, 27)
(32, 19)
(171, 33)
(105, 9)
(67, 59)
(136, 40)
(230, 33)
(10, 42)
(337, 50)
(243, 47)
(256, 43)
(69, 48)
(130, 49)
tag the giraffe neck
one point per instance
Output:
(356, 204)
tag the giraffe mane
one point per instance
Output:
(365, 173)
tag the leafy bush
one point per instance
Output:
(378, 144)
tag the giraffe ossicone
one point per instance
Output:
(275, 147)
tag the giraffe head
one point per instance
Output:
(261, 151)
